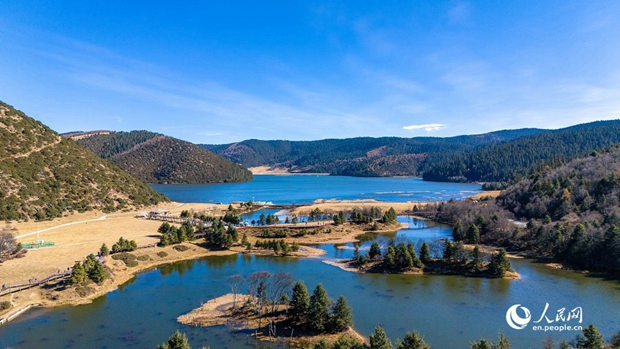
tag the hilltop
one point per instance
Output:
(363, 156)
(43, 174)
(501, 156)
(506, 161)
(155, 158)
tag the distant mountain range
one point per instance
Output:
(155, 158)
(505, 161)
(365, 156)
(490, 157)
(43, 175)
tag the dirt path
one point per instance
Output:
(59, 226)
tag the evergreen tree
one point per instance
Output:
(318, 311)
(389, 260)
(483, 344)
(176, 341)
(473, 234)
(375, 250)
(457, 231)
(97, 272)
(412, 340)
(298, 308)
(244, 240)
(342, 317)
(188, 231)
(499, 263)
(425, 253)
(78, 274)
(591, 339)
(232, 232)
(615, 340)
(380, 340)
(389, 216)
(104, 250)
(416, 261)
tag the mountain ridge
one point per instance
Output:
(44, 175)
(359, 156)
(157, 158)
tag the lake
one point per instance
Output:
(288, 189)
(449, 311)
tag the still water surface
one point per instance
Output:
(287, 189)
(449, 311)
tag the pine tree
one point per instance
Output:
(425, 253)
(473, 234)
(342, 317)
(244, 240)
(389, 216)
(318, 311)
(499, 263)
(591, 339)
(389, 260)
(78, 274)
(104, 250)
(298, 308)
(380, 340)
(176, 341)
(97, 273)
(483, 344)
(416, 261)
(375, 250)
(412, 340)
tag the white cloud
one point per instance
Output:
(425, 127)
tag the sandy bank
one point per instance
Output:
(332, 206)
(219, 311)
(214, 312)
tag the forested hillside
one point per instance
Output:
(365, 156)
(43, 174)
(155, 158)
(572, 210)
(502, 162)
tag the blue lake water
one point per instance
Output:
(287, 189)
(449, 311)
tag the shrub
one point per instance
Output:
(144, 258)
(5, 305)
(129, 259)
(162, 254)
(181, 248)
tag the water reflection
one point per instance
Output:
(450, 311)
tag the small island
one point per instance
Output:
(457, 259)
(267, 314)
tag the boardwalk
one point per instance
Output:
(8, 289)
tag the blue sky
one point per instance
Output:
(209, 72)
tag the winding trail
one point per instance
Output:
(60, 226)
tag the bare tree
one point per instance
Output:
(281, 283)
(256, 285)
(7, 241)
(235, 282)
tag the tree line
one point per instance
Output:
(572, 213)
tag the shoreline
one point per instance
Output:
(88, 230)
(343, 265)
(217, 311)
